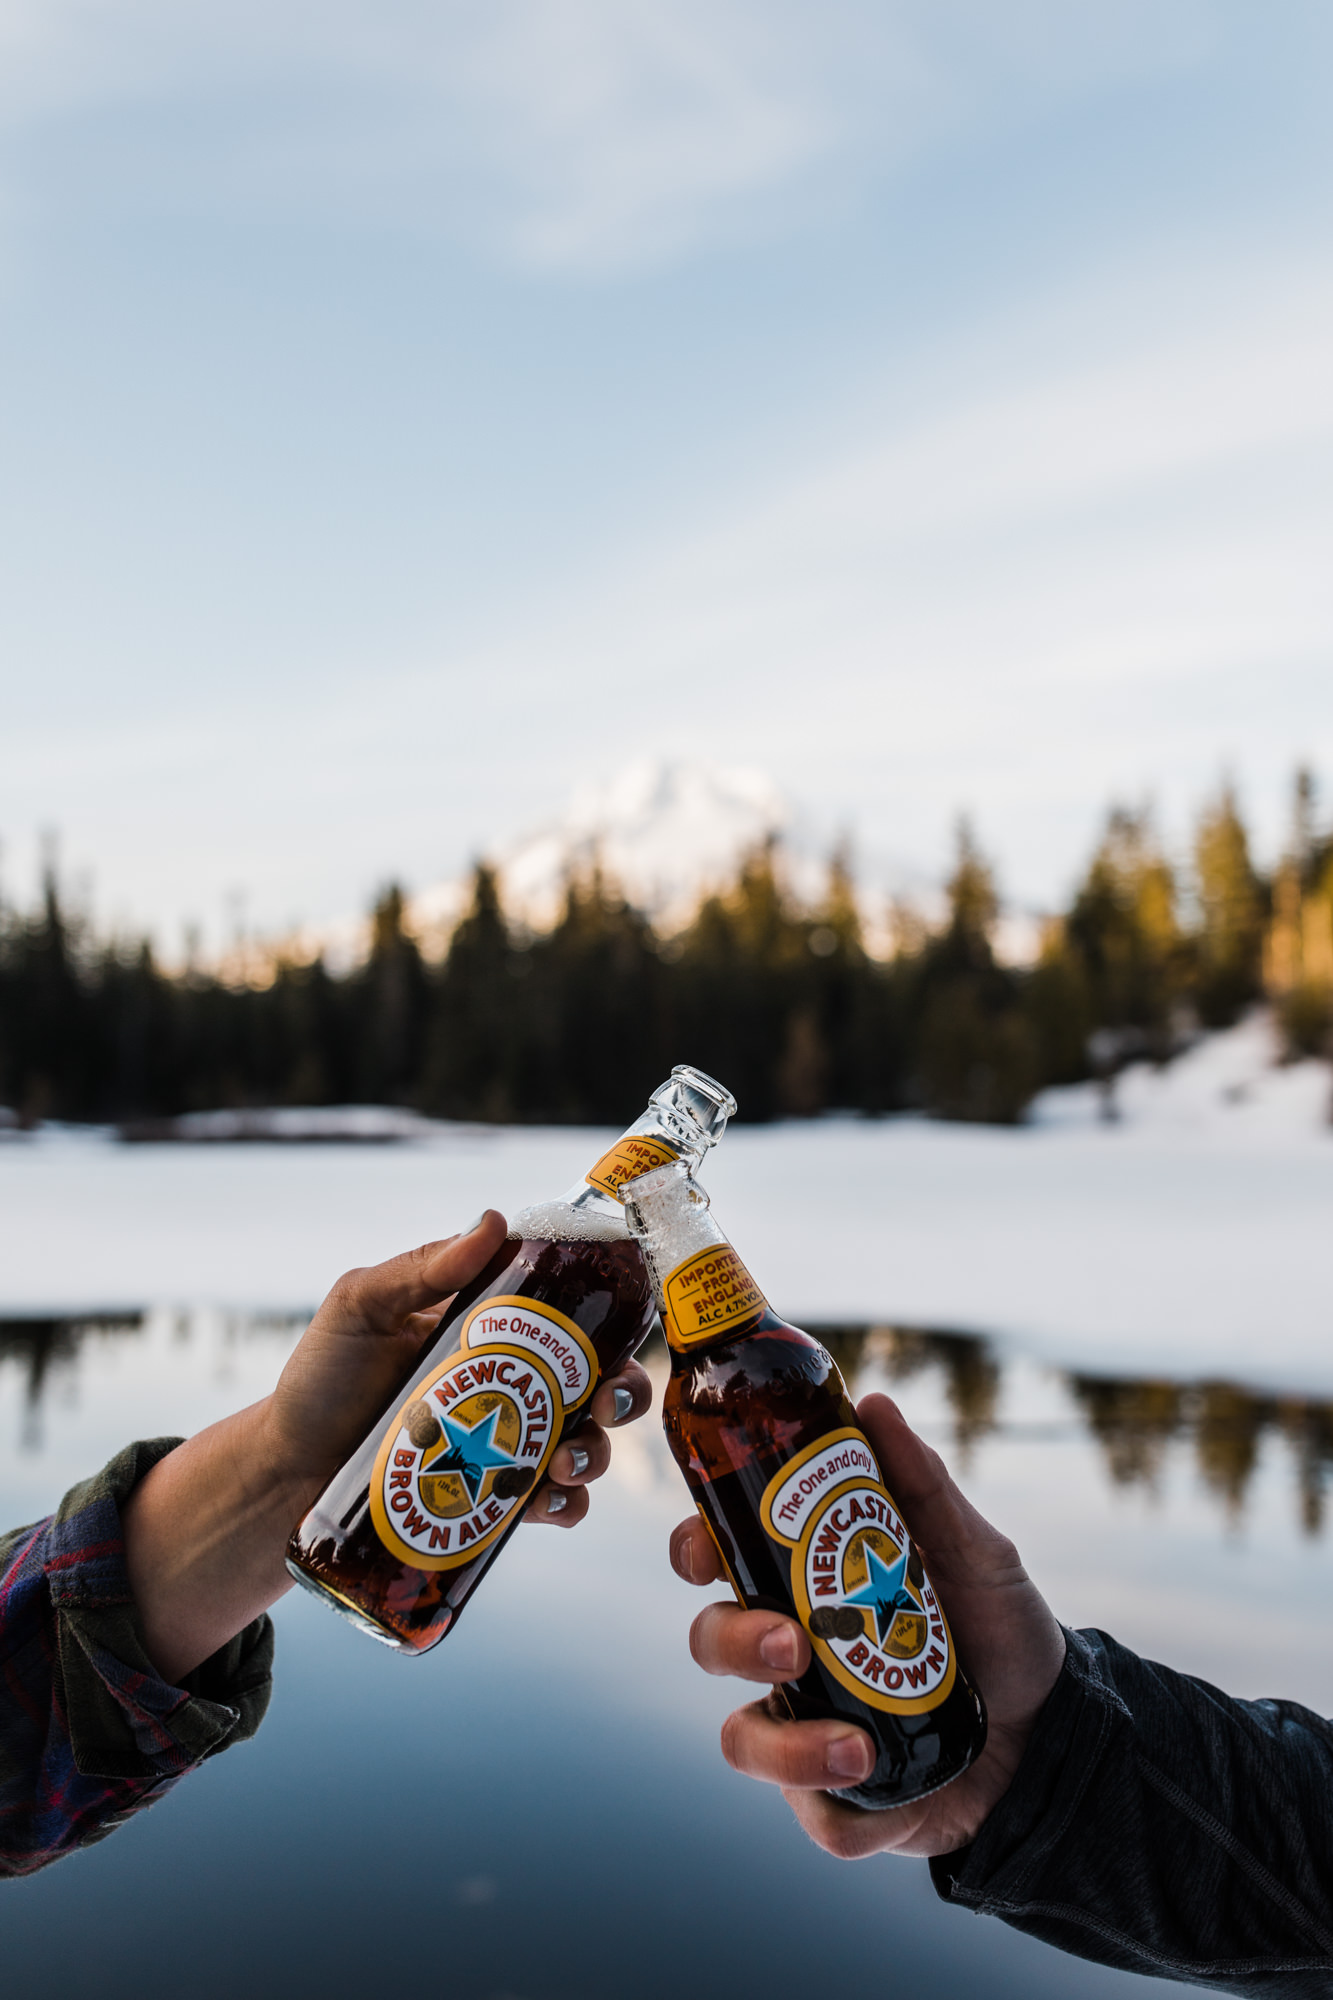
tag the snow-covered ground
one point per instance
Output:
(1191, 1237)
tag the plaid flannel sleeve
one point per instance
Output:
(90, 1733)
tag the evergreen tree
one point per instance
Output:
(474, 1058)
(975, 1052)
(741, 978)
(843, 1051)
(593, 1038)
(1231, 928)
(1298, 951)
(51, 1027)
(1125, 936)
(1058, 1006)
(391, 1003)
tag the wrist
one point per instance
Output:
(285, 1486)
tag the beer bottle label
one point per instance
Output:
(856, 1579)
(628, 1158)
(710, 1291)
(468, 1448)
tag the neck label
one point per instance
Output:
(709, 1292)
(631, 1156)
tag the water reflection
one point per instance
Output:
(561, 1739)
(48, 1361)
(968, 1363)
(38, 1348)
(1136, 1422)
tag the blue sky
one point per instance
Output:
(411, 414)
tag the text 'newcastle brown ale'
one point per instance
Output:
(760, 1424)
(405, 1532)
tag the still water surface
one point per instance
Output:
(538, 1810)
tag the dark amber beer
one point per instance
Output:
(404, 1533)
(760, 1423)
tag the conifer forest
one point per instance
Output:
(784, 1001)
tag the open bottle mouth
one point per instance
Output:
(693, 1095)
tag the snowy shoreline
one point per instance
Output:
(1188, 1239)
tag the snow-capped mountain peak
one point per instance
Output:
(664, 832)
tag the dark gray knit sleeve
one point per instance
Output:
(1158, 1825)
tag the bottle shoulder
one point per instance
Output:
(770, 1351)
(753, 1400)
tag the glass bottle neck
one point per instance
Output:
(702, 1288)
(684, 1118)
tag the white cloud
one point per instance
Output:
(564, 132)
(1081, 570)
(1070, 581)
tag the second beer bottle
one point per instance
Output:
(404, 1533)
(760, 1424)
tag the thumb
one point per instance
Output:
(939, 1516)
(380, 1297)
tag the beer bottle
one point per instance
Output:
(401, 1536)
(760, 1423)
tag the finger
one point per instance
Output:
(693, 1552)
(626, 1396)
(800, 1756)
(850, 1834)
(752, 1645)
(382, 1296)
(583, 1458)
(558, 1507)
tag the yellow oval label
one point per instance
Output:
(710, 1291)
(857, 1581)
(464, 1454)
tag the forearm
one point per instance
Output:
(1159, 1825)
(205, 1532)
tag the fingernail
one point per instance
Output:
(475, 1223)
(778, 1649)
(846, 1755)
(579, 1460)
(556, 1502)
(624, 1402)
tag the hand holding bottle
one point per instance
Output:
(363, 1344)
(500, 1393)
(1005, 1629)
(206, 1530)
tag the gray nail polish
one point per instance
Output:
(579, 1459)
(556, 1503)
(624, 1402)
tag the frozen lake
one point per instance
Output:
(1189, 1237)
(545, 1792)
(1118, 1335)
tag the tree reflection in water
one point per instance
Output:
(1135, 1421)
(970, 1367)
(39, 1347)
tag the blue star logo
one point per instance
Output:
(884, 1592)
(472, 1452)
